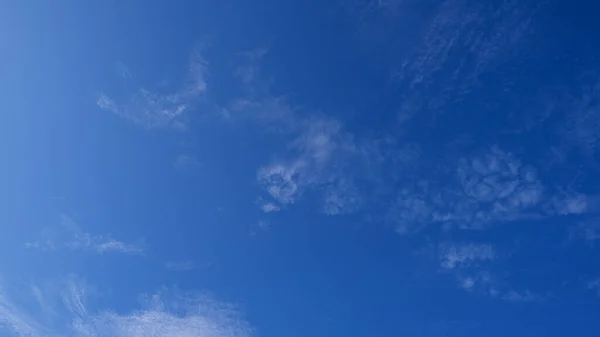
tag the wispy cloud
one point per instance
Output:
(16, 320)
(342, 198)
(582, 124)
(594, 285)
(463, 255)
(323, 157)
(154, 109)
(317, 154)
(471, 265)
(124, 71)
(572, 203)
(181, 265)
(285, 180)
(484, 283)
(588, 231)
(166, 313)
(458, 43)
(514, 296)
(69, 236)
(186, 162)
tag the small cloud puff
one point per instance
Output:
(270, 207)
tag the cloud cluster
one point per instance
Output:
(493, 187)
(166, 313)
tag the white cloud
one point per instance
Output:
(324, 158)
(467, 283)
(493, 187)
(166, 313)
(280, 182)
(318, 149)
(153, 109)
(69, 236)
(463, 255)
(270, 207)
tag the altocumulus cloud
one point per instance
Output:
(165, 313)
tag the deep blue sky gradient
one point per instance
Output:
(457, 141)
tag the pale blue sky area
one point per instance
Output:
(299, 168)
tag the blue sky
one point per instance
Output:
(299, 168)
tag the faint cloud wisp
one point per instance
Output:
(69, 236)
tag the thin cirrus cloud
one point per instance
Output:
(169, 312)
(581, 125)
(157, 110)
(69, 236)
(459, 31)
